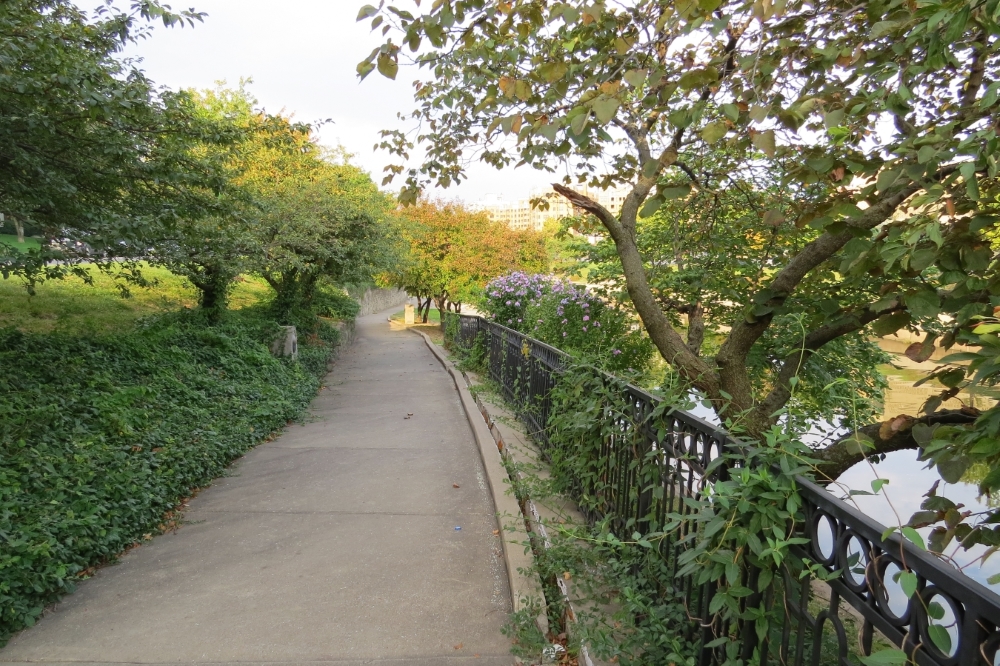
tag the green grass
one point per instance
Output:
(434, 317)
(28, 244)
(75, 307)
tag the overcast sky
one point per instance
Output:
(301, 55)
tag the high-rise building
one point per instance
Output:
(521, 214)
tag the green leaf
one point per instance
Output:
(635, 77)
(820, 164)
(954, 469)
(758, 112)
(922, 433)
(669, 193)
(732, 111)
(579, 123)
(605, 108)
(908, 581)
(924, 304)
(387, 66)
(886, 178)
(926, 154)
(890, 323)
(698, 78)
(952, 378)
(522, 90)
(877, 484)
(834, 118)
(914, 536)
(764, 142)
(714, 131)
(940, 637)
(922, 518)
(882, 28)
(551, 72)
(366, 11)
(651, 206)
(773, 218)
(885, 658)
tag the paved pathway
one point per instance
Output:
(334, 544)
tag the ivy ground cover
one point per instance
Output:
(101, 437)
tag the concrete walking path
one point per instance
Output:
(334, 544)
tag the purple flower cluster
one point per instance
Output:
(564, 314)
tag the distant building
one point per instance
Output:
(521, 214)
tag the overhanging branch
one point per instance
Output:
(847, 452)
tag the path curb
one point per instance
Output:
(525, 588)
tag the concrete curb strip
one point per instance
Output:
(537, 524)
(524, 588)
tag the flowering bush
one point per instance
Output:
(507, 297)
(569, 317)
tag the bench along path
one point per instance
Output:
(333, 544)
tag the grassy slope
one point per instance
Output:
(74, 307)
(106, 426)
(28, 244)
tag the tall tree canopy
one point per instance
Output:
(293, 212)
(90, 152)
(873, 127)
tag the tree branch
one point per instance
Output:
(733, 370)
(847, 452)
(667, 340)
(793, 363)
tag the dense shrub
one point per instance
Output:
(101, 437)
(567, 316)
(334, 302)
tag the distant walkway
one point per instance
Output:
(334, 544)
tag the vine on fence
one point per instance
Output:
(694, 548)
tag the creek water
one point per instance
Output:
(909, 479)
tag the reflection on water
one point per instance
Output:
(908, 481)
(905, 398)
(909, 478)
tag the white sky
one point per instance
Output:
(301, 55)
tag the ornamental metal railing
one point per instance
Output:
(655, 457)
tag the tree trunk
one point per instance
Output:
(213, 291)
(896, 434)
(442, 304)
(287, 296)
(696, 328)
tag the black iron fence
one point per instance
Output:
(834, 621)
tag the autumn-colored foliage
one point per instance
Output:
(453, 252)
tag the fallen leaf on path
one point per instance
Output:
(455, 485)
(459, 646)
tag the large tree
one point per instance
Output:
(290, 210)
(875, 121)
(90, 152)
